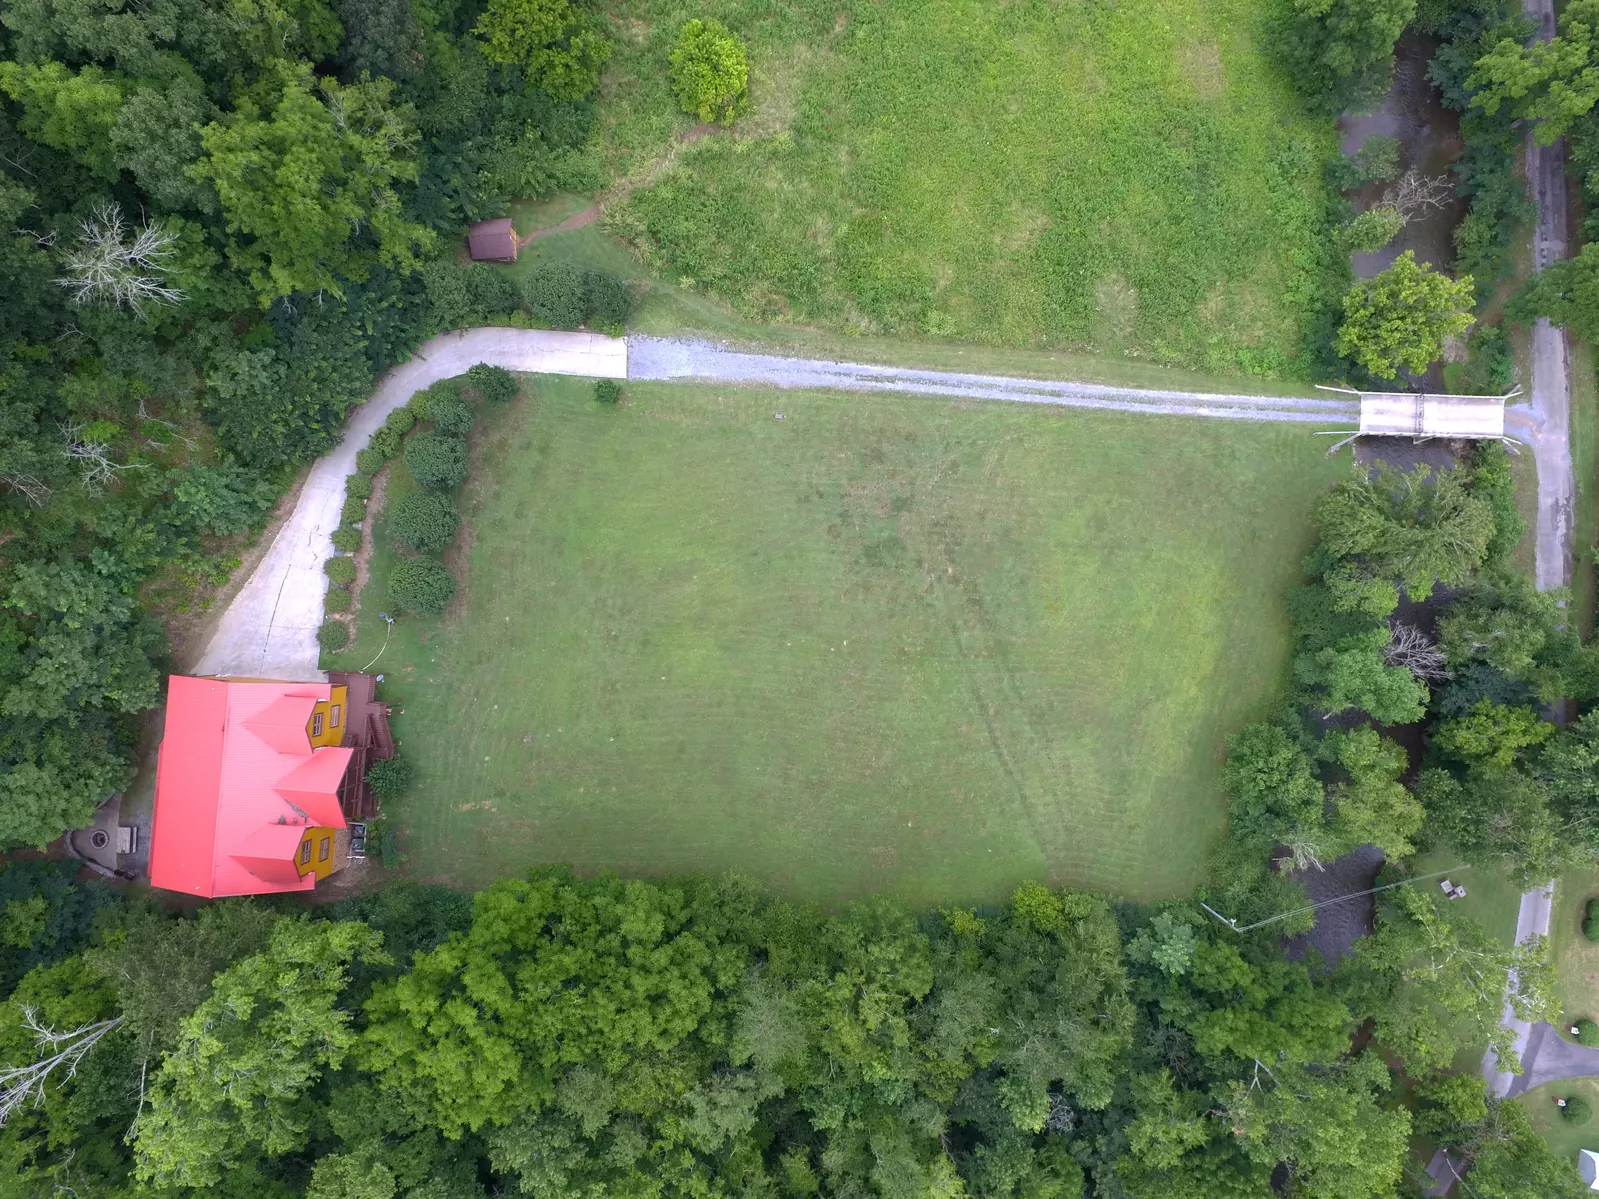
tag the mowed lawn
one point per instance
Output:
(1132, 179)
(885, 642)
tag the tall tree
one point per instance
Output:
(1340, 53)
(1416, 528)
(1434, 981)
(1554, 83)
(307, 183)
(238, 1080)
(1403, 317)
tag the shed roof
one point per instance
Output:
(492, 241)
(1417, 414)
(236, 785)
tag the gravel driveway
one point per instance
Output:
(658, 359)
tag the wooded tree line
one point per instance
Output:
(559, 1037)
(220, 224)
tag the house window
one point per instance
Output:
(316, 725)
(324, 849)
(305, 853)
(333, 719)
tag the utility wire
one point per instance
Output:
(1231, 923)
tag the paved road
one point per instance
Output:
(1533, 920)
(269, 630)
(1550, 1057)
(1545, 424)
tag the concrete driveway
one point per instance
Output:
(269, 630)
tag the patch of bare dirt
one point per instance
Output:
(363, 556)
(578, 220)
(1200, 63)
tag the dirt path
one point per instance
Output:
(621, 190)
(1545, 424)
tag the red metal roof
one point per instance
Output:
(236, 785)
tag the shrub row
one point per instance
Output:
(424, 522)
(556, 295)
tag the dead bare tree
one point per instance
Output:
(35, 490)
(106, 267)
(1415, 192)
(62, 1051)
(1409, 647)
(93, 457)
(1304, 852)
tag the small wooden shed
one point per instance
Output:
(492, 241)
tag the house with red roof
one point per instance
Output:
(256, 779)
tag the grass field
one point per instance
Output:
(1564, 1138)
(1576, 958)
(891, 643)
(1492, 899)
(1129, 179)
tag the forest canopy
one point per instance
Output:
(228, 221)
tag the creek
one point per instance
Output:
(1429, 141)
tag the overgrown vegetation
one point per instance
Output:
(891, 183)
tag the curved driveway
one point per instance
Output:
(269, 630)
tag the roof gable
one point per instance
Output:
(268, 854)
(313, 785)
(281, 724)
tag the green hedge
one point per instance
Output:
(386, 442)
(424, 522)
(607, 391)
(333, 635)
(369, 461)
(340, 570)
(358, 487)
(450, 413)
(346, 538)
(354, 510)
(437, 461)
(422, 585)
(389, 778)
(401, 420)
(338, 599)
(494, 383)
(1577, 1110)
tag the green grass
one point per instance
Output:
(890, 643)
(1492, 899)
(1130, 180)
(1565, 1139)
(666, 310)
(1575, 957)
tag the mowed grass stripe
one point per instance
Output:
(883, 643)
